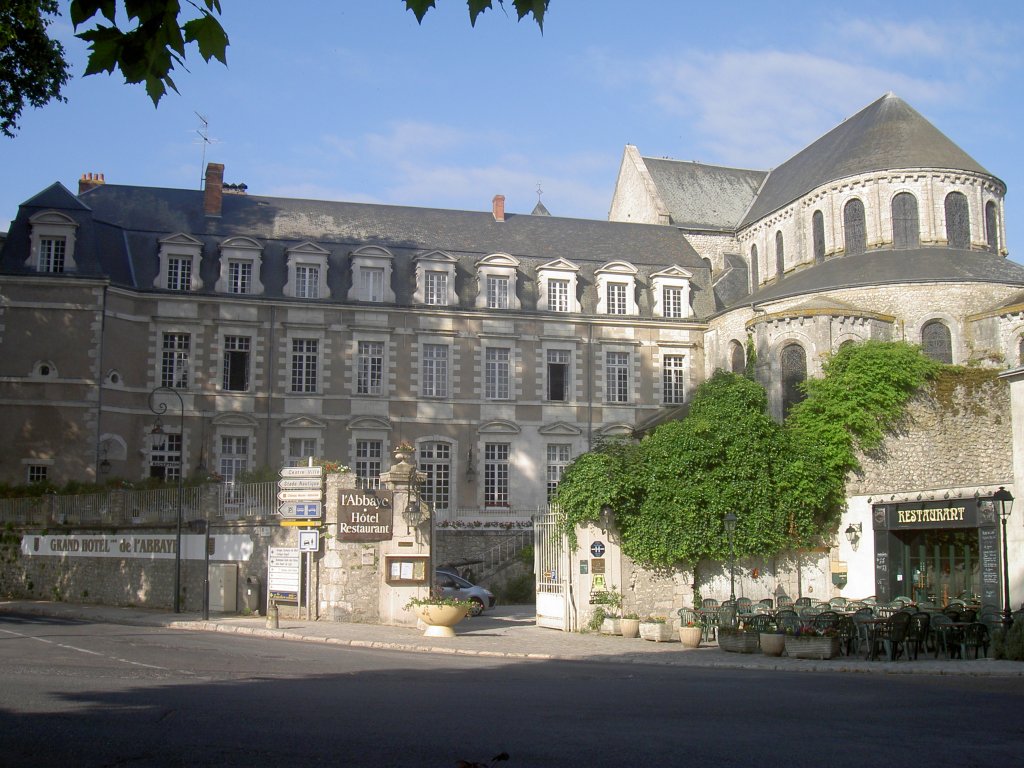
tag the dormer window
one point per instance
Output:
(672, 292)
(179, 258)
(558, 286)
(616, 289)
(53, 242)
(496, 275)
(371, 275)
(435, 280)
(307, 272)
(240, 262)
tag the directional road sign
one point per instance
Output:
(303, 495)
(302, 472)
(301, 509)
(296, 483)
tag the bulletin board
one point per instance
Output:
(406, 569)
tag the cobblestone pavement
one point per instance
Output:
(507, 632)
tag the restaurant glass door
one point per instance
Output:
(938, 565)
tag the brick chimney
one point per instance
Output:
(214, 189)
(90, 181)
(499, 207)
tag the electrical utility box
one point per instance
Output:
(224, 588)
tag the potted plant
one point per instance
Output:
(736, 640)
(440, 614)
(805, 642)
(656, 628)
(630, 624)
(690, 634)
(773, 640)
(606, 615)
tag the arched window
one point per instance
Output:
(906, 229)
(737, 357)
(854, 229)
(936, 342)
(818, 236)
(992, 226)
(755, 269)
(794, 373)
(958, 221)
(780, 255)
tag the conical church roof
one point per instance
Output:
(888, 134)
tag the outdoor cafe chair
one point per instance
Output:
(825, 619)
(709, 602)
(767, 602)
(942, 634)
(787, 619)
(727, 616)
(803, 602)
(974, 638)
(862, 630)
(917, 634)
(758, 622)
(892, 635)
(839, 603)
(783, 601)
(744, 604)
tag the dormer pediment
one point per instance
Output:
(674, 271)
(304, 422)
(308, 249)
(560, 265)
(499, 260)
(234, 420)
(181, 240)
(438, 257)
(616, 430)
(617, 268)
(53, 218)
(372, 252)
(241, 243)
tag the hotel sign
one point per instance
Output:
(365, 515)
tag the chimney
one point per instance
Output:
(89, 181)
(214, 189)
(499, 208)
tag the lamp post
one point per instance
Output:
(160, 409)
(1004, 500)
(853, 533)
(730, 530)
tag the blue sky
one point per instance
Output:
(353, 100)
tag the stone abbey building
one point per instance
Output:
(501, 346)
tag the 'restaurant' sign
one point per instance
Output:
(365, 515)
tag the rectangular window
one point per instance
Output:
(558, 374)
(51, 254)
(673, 379)
(616, 298)
(305, 361)
(496, 474)
(435, 370)
(37, 473)
(368, 466)
(496, 373)
(558, 459)
(300, 449)
(673, 301)
(435, 288)
(179, 273)
(616, 373)
(174, 361)
(558, 295)
(435, 460)
(239, 276)
(370, 368)
(307, 281)
(165, 458)
(497, 292)
(371, 283)
(234, 457)
(236, 364)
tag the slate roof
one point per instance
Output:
(700, 196)
(887, 134)
(917, 265)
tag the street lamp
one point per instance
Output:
(853, 533)
(1004, 499)
(730, 530)
(160, 409)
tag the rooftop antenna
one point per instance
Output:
(204, 137)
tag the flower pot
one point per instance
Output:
(690, 636)
(630, 627)
(659, 632)
(772, 644)
(440, 618)
(812, 647)
(611, 626)
(738, 642)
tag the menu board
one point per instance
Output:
(988, 546)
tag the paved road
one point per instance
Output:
(81, 693)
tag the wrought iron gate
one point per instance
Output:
(555, 605)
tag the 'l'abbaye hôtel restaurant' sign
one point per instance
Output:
(365, 515)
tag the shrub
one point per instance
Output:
(1009, 645)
